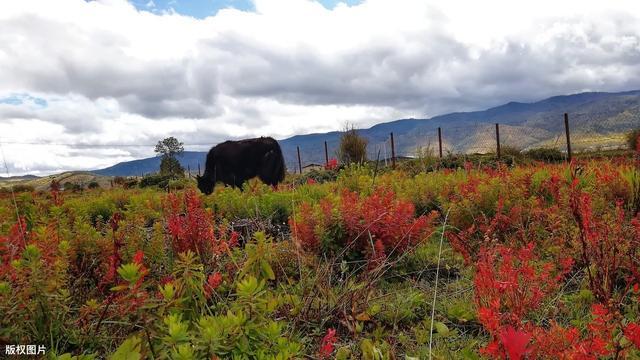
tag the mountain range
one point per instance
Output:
(597, 120)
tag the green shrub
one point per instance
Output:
(317, 176)
(179, 184)
(545, 154)
(161, 181)
(99, 210)
(509, 150)
(93, 185)
(23, 188)
(69, 186)
(130, 183)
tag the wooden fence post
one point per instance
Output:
(498, 140)
(566, 129)
(189, 171)
(440, 141)
(326, 154)
(393, 153)
(299, 160)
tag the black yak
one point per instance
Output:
(234, 162)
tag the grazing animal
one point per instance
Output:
(234, 162)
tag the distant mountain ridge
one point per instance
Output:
(188, 159)
(596, 118)
(19, 177)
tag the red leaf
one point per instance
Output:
(632, 332)
(515, 342)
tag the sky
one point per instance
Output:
(87, 84)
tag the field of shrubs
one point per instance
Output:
(495, 261)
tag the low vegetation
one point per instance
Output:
(472, 260)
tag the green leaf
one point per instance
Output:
(5, 288)
(168, 291)
(343, 353)
(370, 351)
(267, 271)
(178, 331)
(469, 354)
(441, 328)
(129, 350)
(184, 352)
(130, 272)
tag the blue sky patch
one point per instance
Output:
(24, 99)
(203, 8)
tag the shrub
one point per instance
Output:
(545, 154)
(99, 210)
(192, 227)
(23, 188)
(374, 226)
(608, 246)
(73, 187)
(178, 184)
(119, 180)
(317, 176)
(513, 151)
(633, 140)
(93, 185)
(130, 182)
(353, 147)
(332, 164)
(161, 181)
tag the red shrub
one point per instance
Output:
(632, 332)
(304, 229)
(11, 246)
(557, 342)
(115, 258)
(377, 226)
(332, 164)
(608, 245)
(383, 220)
(511, 283)
(192, 227)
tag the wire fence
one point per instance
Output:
(470, 138)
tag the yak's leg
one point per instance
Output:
(238, 182)
(234, 181)
(268, 168)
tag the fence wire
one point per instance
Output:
(470, 138)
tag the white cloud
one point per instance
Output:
(112, 74)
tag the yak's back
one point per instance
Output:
(245, 150)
